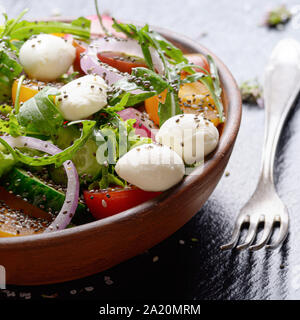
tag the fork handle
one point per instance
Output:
(281, 88)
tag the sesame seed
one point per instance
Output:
(155, 259)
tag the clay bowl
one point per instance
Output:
(94, 247)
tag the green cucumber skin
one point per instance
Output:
(41, 195)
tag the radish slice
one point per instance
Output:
(108, 22)
(68, 209)
(143, 126)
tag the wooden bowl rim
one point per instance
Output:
(227, 138)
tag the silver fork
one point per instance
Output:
(281, 87)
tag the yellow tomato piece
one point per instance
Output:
(193, 97)
(27, 91)
(151, 106)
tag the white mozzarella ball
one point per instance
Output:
(82, 97)
(151, 167)
(191, 136)
(46, 57)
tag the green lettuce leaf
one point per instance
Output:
(9, 69)
(39, 115)
(23, 30)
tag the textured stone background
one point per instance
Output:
(189, 264)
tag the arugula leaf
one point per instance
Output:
(66, 78)
(10, 24)
(174, 61)
(123, 88)
(150, 84)
(108, 177)
(120, 105)
(23, 30)
(169, 55)
(168, 48)
(165, 110)
(17, 98)
(151, 38)
(9, 69)
(39, 114)
(59, 158)
(155, 81)
(142, 38)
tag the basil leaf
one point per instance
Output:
(39, 114)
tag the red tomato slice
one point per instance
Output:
(105, 203)
(121, 61)
(80, 49)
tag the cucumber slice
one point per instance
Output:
(84, 159)
(86, 163)
(65, 136)
(41, 195)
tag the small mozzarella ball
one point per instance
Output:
(191, 136)
(46, 57)
(151, 167)
(82, 97)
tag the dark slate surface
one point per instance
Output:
(190, 264)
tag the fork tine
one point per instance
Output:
(268, 227)
(283, 231)
(254, 221)
(235, 235)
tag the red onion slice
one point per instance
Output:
(89, 63)
(143, 126)
(72, 195)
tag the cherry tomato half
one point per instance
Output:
(121, 61)
(80, 49)
(105, 203)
